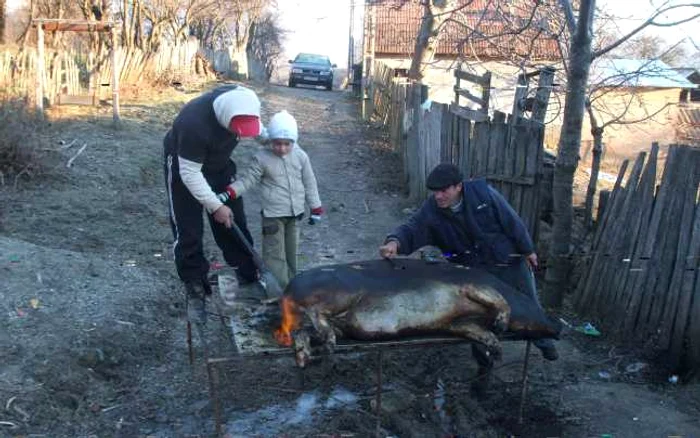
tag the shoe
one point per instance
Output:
(247, 278)
(550, 352)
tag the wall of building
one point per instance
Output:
(626, 140)
(440, 78)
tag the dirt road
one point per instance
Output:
(92, 341)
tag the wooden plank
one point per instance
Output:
(486, 91)
(507, 161)
(688, 190)
(616, 192)
(465, 93)
(544, 89)
(603, 200)
(499, 132)
(693, 330)
(644, 201)
(656, 241)
(446, 138)
(457, 86)
(617, 247)
(40, 68)
(411, 143)
(480, 147)
(469, 114)
(685, 300)
(429, 130)
(67, 99)
(521, 146)
(533, 157)
(481, 80)
(464, 127)
(588, 289)
(519, 98)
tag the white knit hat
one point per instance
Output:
(283, 125)
(237, 102)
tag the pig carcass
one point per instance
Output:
(393, 299)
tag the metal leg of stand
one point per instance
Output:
(190, 349)
(378, 396)
(523, 389)
(213, 374)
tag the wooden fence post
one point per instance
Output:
(544, 89)
(115, 77)
(40, 67)
(603, 199)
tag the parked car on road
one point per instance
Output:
(311, 69)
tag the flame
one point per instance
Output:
(290, 322)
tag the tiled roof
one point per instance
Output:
(478, 29)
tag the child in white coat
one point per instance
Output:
(287, 182)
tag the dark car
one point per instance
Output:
(308, 68)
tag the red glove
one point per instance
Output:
(315, 215)
(228, 194)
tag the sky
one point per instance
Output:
(322, 25)
(319, 26)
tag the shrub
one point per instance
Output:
(20, 139)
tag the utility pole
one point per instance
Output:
(368, 46)
(351, 42)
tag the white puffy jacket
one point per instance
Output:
(285, 182)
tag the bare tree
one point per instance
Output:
(435, 14)
(580, 57)
(3, 10)
(266, 42)
(655, 47)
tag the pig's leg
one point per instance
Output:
(323, 327)
(477, 333)
(491, 300)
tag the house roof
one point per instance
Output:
(478, 29)
(685, 71)
(636, 73)
(690, 73)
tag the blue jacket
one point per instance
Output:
(486, 231)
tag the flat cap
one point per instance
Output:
(444, 175)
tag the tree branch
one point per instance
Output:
(649, 22)
(569, 15)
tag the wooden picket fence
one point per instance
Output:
(18, 72)
(506, 150)
(641, 283)
(62, 75)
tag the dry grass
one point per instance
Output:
(20, 140)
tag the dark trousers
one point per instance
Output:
(188, 228)
(520, 277)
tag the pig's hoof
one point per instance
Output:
(329, 347)
(500, 323)
(495, 351)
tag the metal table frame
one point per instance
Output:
(213, 363)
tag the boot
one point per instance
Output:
(196, 293)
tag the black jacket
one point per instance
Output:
(486, 231)
(197, 135)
